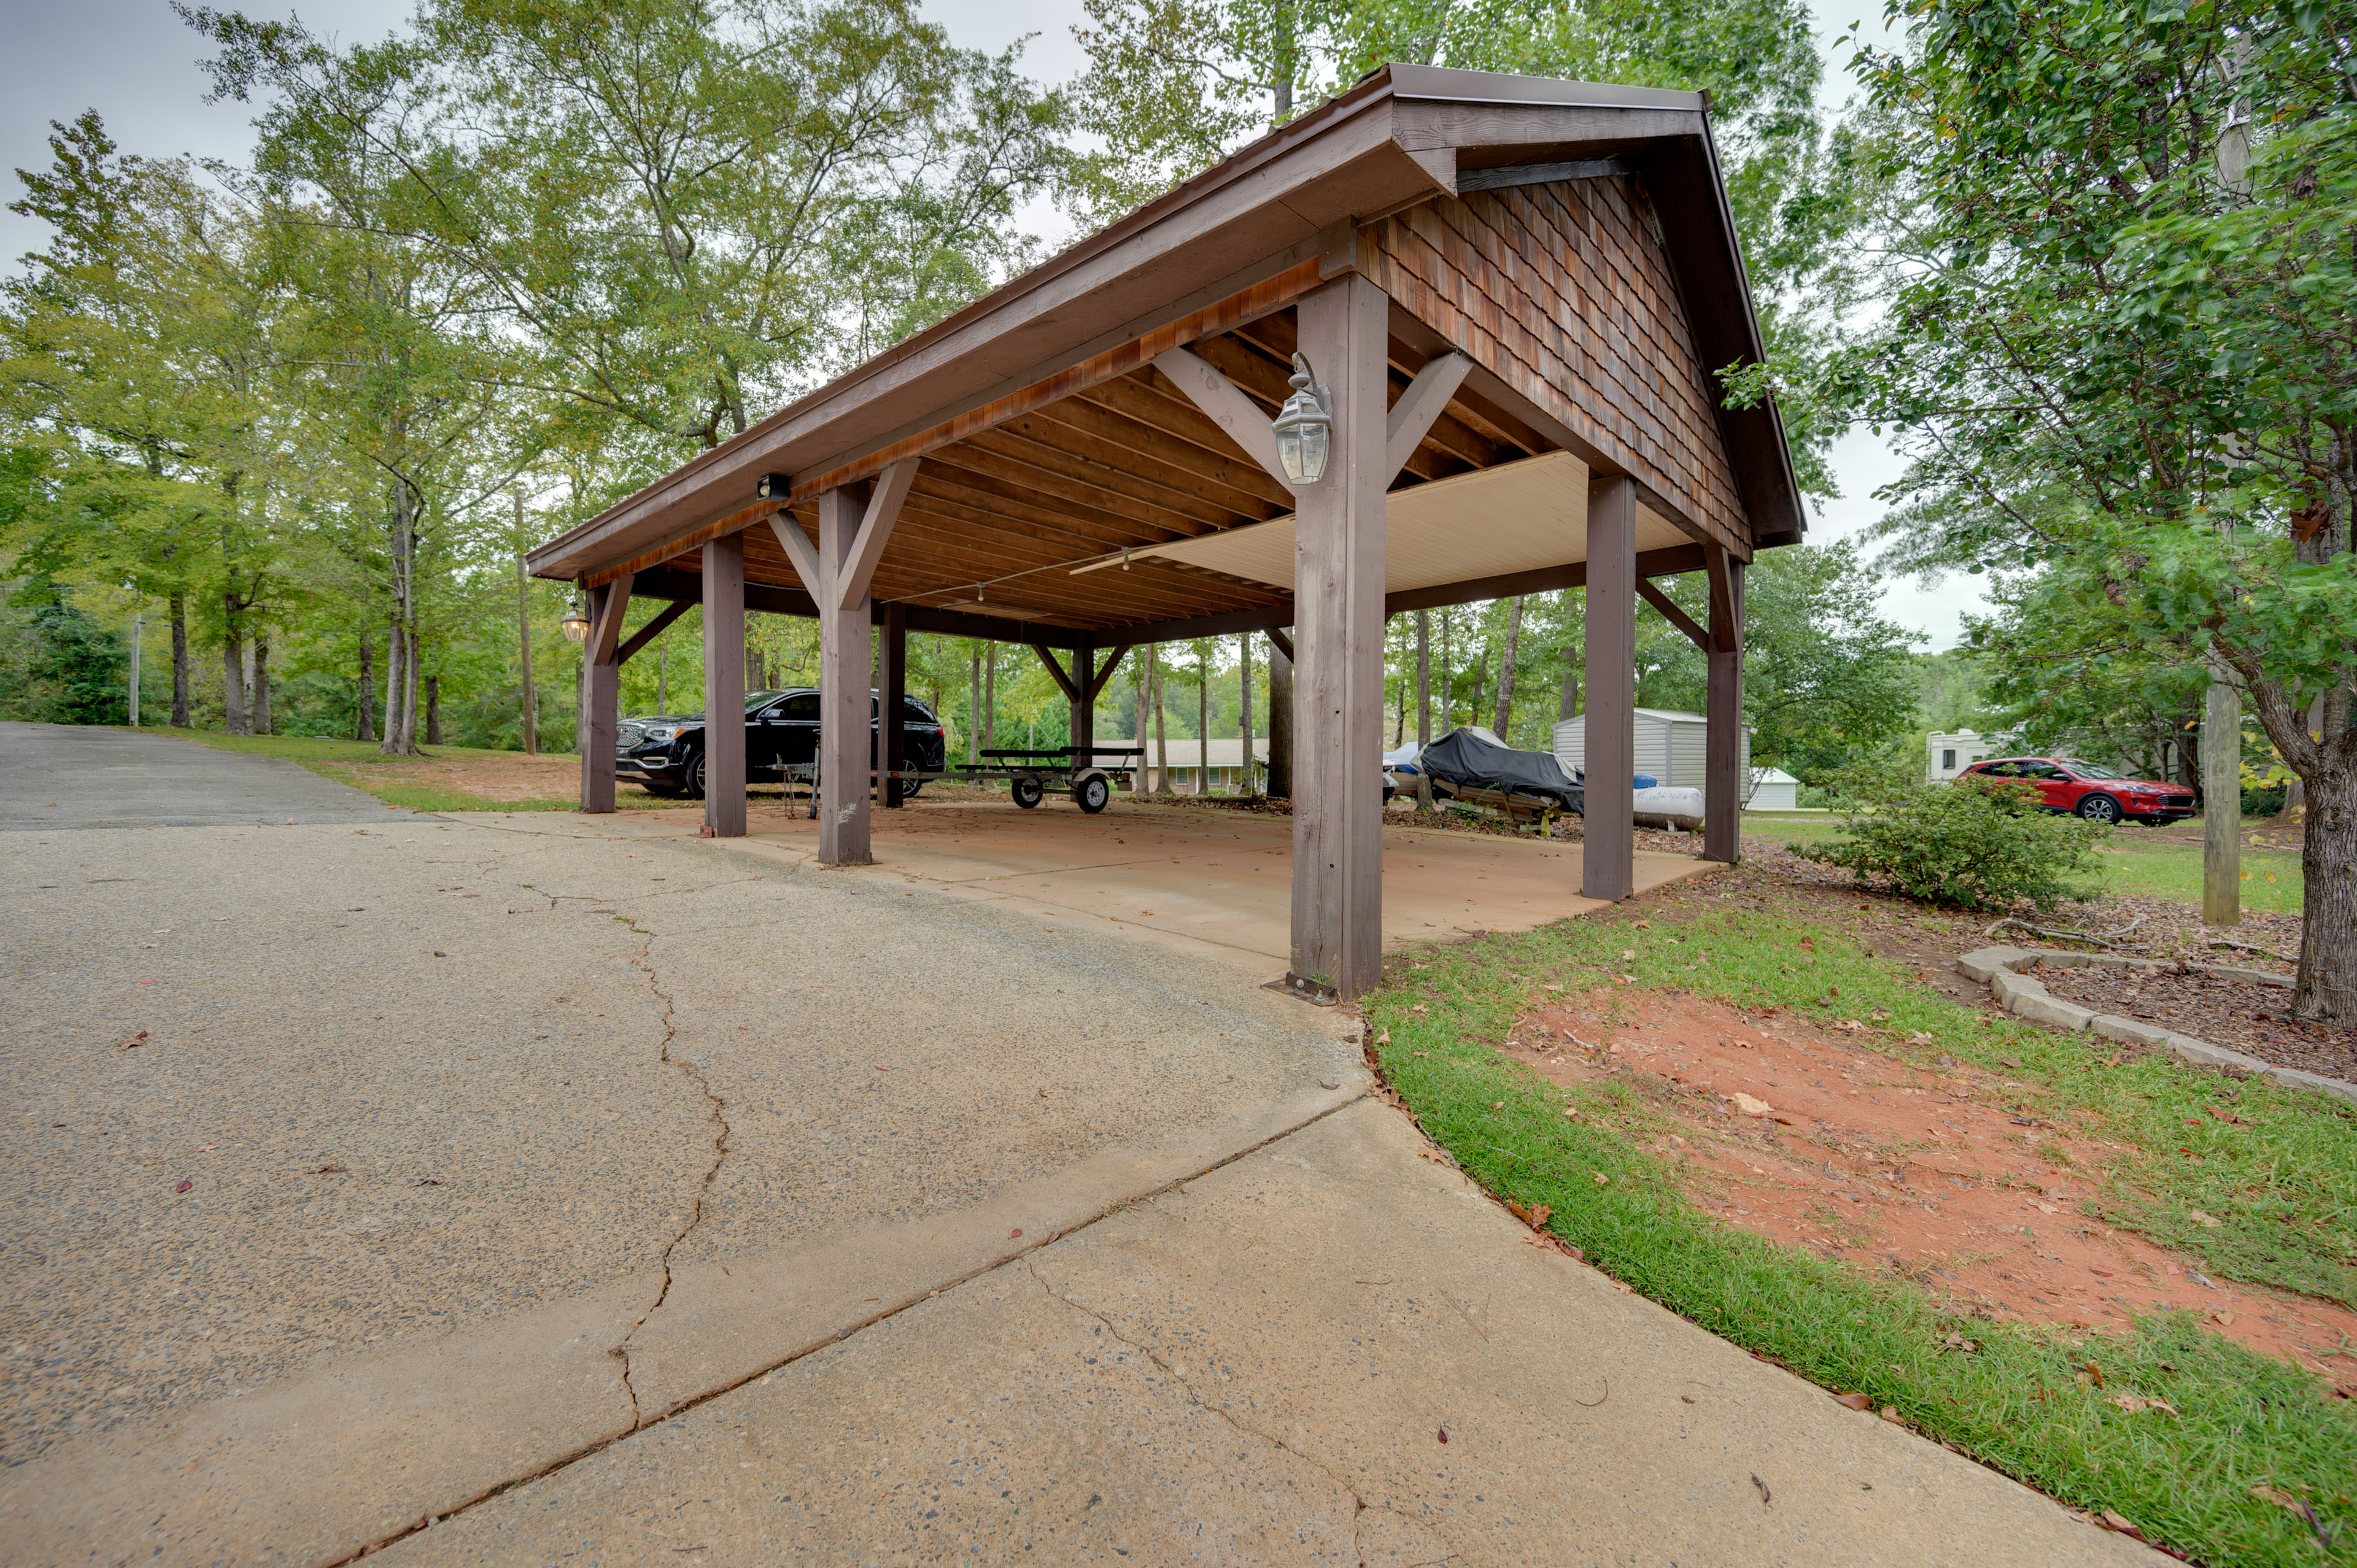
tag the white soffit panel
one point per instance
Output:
(1516, 516)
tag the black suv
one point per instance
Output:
(664, 755)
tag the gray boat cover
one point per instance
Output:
(1460, 756)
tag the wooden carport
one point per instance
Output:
(1512, 292)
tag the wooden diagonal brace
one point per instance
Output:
(1227, 407)
(1411, 418)
(1103, 677)
(648, 632)
(800, 551)
(1671, 613)
(1056, 672)
(858, 568)
(1283, 643)
(608, 630)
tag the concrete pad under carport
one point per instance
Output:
(1219, 881)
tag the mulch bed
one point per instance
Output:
(2247, 1017)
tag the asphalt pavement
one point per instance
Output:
(68, 776)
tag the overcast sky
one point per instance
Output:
(136, 63)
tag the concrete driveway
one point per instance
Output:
(518, 1189)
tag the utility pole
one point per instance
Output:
(2222, 801)
(2222, 710)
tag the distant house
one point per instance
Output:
(1187, 759)
(1669, 746)
(1949, 755)
(1773, 789)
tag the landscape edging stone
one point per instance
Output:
(2028, 999)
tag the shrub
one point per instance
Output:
(1983, 844)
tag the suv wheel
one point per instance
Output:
(1093, 794)
(2100, 808)
(694, 790)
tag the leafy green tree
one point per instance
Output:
(2119, 335)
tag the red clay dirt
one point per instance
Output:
(1865, 1158)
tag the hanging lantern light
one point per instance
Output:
(575, 625)
(1305, 429)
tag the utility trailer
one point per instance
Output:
(1031, 773)
(1034, 773)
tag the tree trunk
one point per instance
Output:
(662, 674)
(1245, 709)
(1280, 725)
(2328, 949)
(391, 744)
(990, 699)
(180, 661)
(1569, 707)
(1448, 620)
(433, 710)
(409, 695)
(523, 648)
(1161, 728)
(261, 710)
(233, 719)
(1203, 718)
(364, 725)
(1141, 686)
(973, 706)
(1506, 668)
(1423, 707)
(2295, 791)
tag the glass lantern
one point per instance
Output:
(1305, 430)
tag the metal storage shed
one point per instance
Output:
(1671, 745)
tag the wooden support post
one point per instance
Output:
(1083, 725)
(1608, 847)
(601, 685)
(891, 690)
(1337, 803)
(1280, 715)
(843, 672)
(724, 687)
(1722, 781)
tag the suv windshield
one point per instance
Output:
(755, 699)
(2089, 770)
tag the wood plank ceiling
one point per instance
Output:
(995, 522)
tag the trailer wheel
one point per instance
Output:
(1027, 793)
(1093, 794)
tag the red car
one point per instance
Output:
(2098, 794)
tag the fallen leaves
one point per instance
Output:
(1854, 1400)
(329, 1170)
(2137, 1404)
(131, 1042)
(1533, 1215)
(184, 1187)
(2284, 1499)
(1601, 1179)
(2201, 1220)
(1750, 1105)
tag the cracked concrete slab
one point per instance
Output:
(1327, 1352)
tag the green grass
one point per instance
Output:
(2283, 1185)
(2271, 878)
(358, 764)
